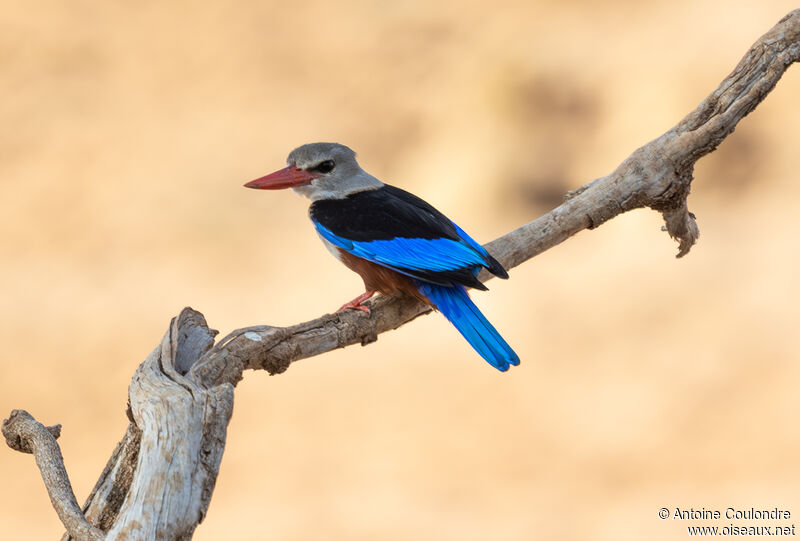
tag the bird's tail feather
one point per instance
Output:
(454, 303)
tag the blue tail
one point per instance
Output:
(454, 303)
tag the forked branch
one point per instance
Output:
(657, 175)
(182, 395)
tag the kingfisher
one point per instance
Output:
(398, 243)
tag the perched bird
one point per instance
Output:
(397, 242)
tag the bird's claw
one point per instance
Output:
(355, 304)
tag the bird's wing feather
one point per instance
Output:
(410, 254)
(400, 231)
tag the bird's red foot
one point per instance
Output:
(355, 304)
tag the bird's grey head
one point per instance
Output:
(334, 168)
(320, 171)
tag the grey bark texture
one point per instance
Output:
(160, 478)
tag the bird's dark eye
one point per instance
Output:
(324, 167)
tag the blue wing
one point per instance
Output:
(420, 258)
(398, 230)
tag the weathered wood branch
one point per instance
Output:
(159, 480)
(657, 175)
(25, 434)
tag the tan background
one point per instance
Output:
(128, 129)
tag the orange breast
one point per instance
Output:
(378, 278)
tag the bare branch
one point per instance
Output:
(159, 480)
(657, 175)
(25, 434)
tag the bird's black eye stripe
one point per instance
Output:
(323, 167)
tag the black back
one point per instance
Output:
(382, 214)
(387, 213)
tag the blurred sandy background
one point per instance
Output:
(129, 128)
